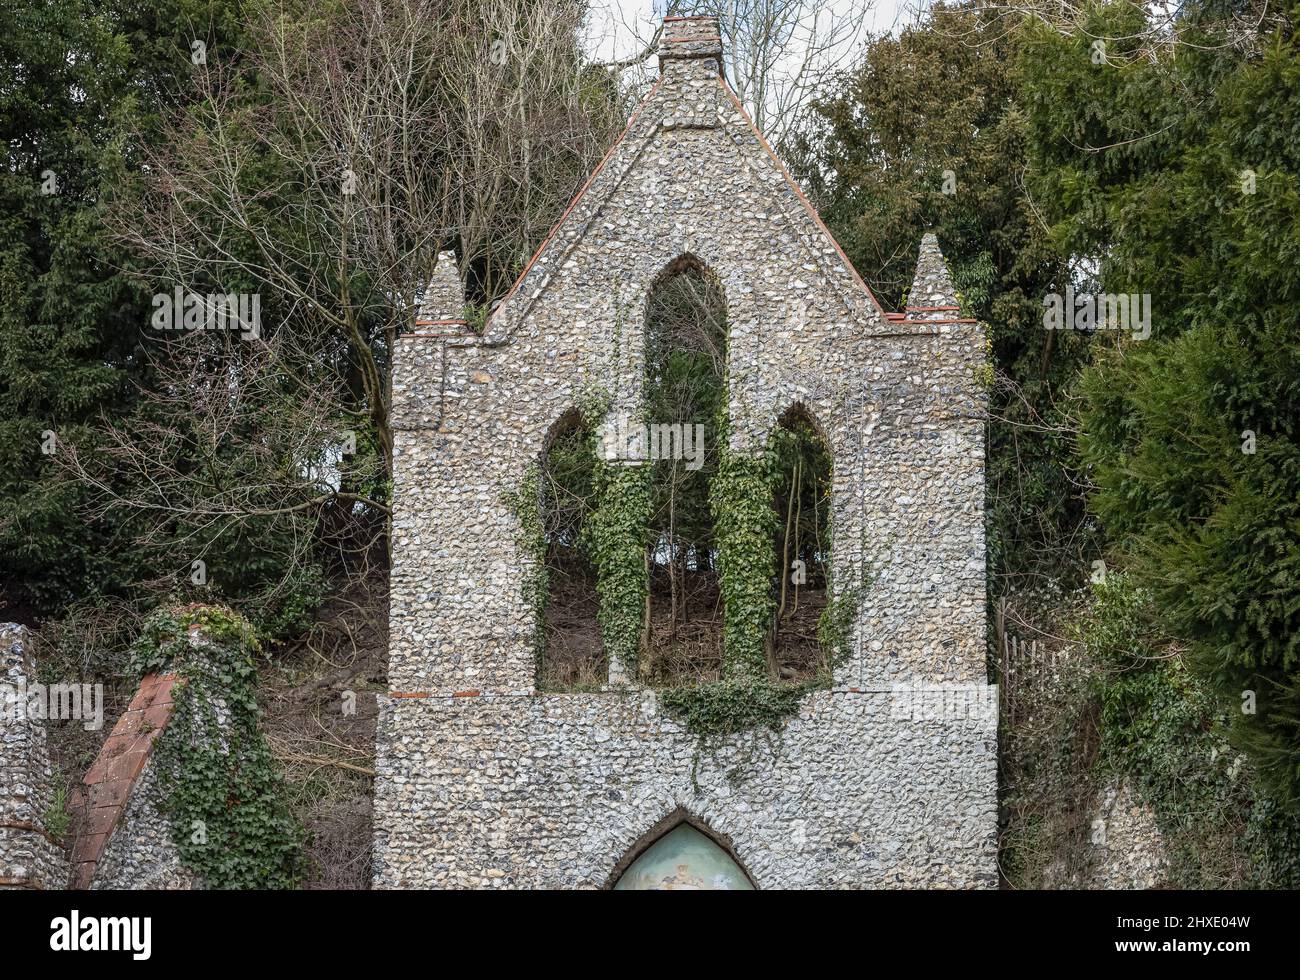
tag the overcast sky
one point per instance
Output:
(613, 26)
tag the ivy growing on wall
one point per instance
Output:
(612, 536)
(731, 706)
(615, 535)
(835, 628)
(1161, 728)
(749, 696)
(215, 777)
(524, 503)
(744, 523)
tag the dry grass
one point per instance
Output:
(689, 650)
(575, 658)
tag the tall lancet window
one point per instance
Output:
(802, 505)
(571, 656)
(685, 394)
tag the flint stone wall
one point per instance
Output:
(126, 842)
(140, 854)
(550, 792)
(898, 402)
(1128, 853)
(29, 857)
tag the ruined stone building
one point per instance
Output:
(485, 780)
(880, 770)
(116, 838)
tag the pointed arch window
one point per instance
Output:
(802, 505)
(685, 392)
(570, 655)
(684, 859)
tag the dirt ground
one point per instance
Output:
(319, 708)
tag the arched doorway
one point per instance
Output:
(684, 859)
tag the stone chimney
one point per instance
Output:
(444, 296)
(691, 41)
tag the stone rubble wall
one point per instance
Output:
(550, 792)
(480, 781)
(690, 37)
(125, 843)
(140, 854)
(29, 856)
(1126, 847)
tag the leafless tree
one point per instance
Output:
(527, 127)
(322, 170)
(377, 137)
(781, 53)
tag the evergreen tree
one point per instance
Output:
(1174, 166)
(82, 83)
(927, 132)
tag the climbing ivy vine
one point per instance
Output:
(731, 706)
(615, 536)
(215, 775)
(740, 498)
(612, 535)
(524, 503)
(749, 697)
(835, 629)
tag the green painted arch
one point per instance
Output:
(684, 858)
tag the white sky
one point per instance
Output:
(613, 25)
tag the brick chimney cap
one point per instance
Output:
(691, 37)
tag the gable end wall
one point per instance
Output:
(482, 782)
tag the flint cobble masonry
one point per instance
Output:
(30, 857)
(481, 781)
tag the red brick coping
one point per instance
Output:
(112, 777)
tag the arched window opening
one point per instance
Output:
(686, 344)
(802, 501)
(684, 859)
(571, 656)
